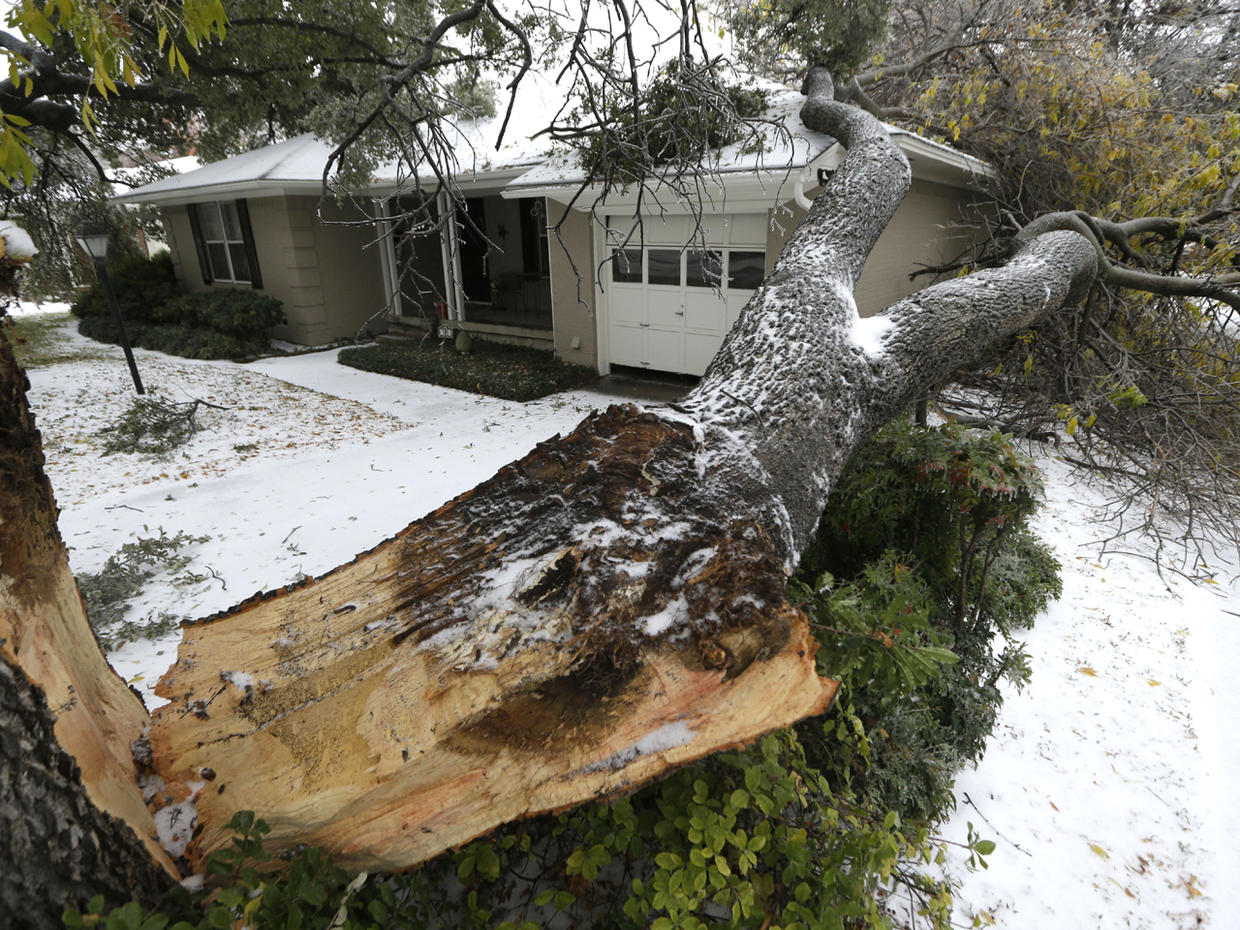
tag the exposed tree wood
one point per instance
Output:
(580, 623)
(54, 838)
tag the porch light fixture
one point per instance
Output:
(93, 240)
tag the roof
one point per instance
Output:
(529, 166)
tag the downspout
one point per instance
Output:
(798, 193)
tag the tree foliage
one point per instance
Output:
(1119, 123)
(783, 37)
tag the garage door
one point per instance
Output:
(669, 307)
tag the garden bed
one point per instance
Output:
(509, 372)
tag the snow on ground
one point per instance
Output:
(1109, 783)
(1107, 786)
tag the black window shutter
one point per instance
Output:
(199, 245)
(247, 234)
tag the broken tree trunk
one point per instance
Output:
(605, 609)
(594, 614)
(63, 808)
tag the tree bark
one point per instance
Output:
(58, 842)
(605, 609)
(58, 849)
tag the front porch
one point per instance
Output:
(485, 271)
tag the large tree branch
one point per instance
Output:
(1220, 289)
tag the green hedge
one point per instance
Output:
(142, 287)
(510, 372)
(175, 339)
(222, 322)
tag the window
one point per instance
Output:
(703, 269)
(663, 266)
(626, 266)
(746, 270)
(225, 243)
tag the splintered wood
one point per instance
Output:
(593, 616)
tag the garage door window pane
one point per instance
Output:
(664, 266)
(626, 266)
(746, 270)
(703, 269)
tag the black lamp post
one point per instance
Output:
(94, 242)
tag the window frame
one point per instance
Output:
(210, 273)
(722, 254)
(535, 238)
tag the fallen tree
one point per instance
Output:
(605, 609)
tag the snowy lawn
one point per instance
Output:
(1108, 787)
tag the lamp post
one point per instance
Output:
(94, 242)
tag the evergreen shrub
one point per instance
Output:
(222, 322)
(922, 556)
(507, 371)
(142, 286)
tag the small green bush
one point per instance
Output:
(510, 372)
(142, 287)
(175, 339)
(242, 314)
(925, 537)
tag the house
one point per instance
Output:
(622, 285)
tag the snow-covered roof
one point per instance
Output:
(532, 165)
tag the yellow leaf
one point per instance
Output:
(1086, 670)
(1099, 851)
(1153, 683)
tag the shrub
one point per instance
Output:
(220, 323)
(510, 372)
(923, 547)
(142, 287)
(242, 314)
(185, 341)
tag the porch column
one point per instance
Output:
(450, 247)
(387, 254)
